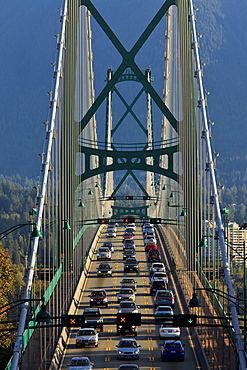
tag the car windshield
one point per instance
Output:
(104, 250)
(164, 294)
(103, 266)
(155, 265)
(127, 343)
(127, 305)
(81, 362)
(125, 291)
(127, 281)
(173, 345)
(86, 332)
(98, 294)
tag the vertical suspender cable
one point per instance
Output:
(237, 334)
(18, 342)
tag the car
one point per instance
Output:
(129, 243)
(160, 275)
(129, 253)
(150, 239)
(109, 245)
(131, 264)
(157, 284)
(103, 253)
(167, 331)
(93, 317)
(129, 367)
(126, 329)
(128, 283)
(131, 226)
(127, 236)
(149, 246)
(147, 229)
(80, 363)
(164, 298)
(111, 228)
(110, 233)
(157, 267)
(153, 255)
(87, 337)
(127, 306)
(104, 269)
(172, 350)
(128, 348)
(130, 231)
(164, 314)
(98, 297)
(126, 294)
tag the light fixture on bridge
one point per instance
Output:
(183, 213)
(81, 204)
(90, 192)
(164, 187)
(97, 185)
(36, 233)
(172, 195)
(194, 301)
(203, 243)
(66, 225)
(43, 315)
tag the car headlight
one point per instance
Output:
(105, 299)
(136, 351)
(99, 272)
(120, 352)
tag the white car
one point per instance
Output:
(103, 253)
(157, 267)
(127, 306)
(150, 239)
(87, 337)
(80, 363)
(131, 226)
(169, 331)
(126, 294)
(160, 275)
(110, 233)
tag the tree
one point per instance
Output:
(8, 271)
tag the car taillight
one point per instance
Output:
(181, 351)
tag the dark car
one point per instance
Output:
(131, 264)
(129, 243)
(154, 255)
(164, 298)
(172, 350)
(126, 329)
(157, 285)
(104, 269)
(109, 245)
(98, 297)
(93, 318)
(128, 367)
(128, 253)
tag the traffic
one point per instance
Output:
(125, 277)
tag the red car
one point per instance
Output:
(127, 236)
(149, 246)
(153, 255)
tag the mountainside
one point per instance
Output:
(28, 48)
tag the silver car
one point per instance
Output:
(128, 348)
(87, 337)
(126, 294)
(127, 306)
(103, 253)
(128, 283)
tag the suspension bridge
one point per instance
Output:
(140, 147)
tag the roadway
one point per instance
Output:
(105, 355)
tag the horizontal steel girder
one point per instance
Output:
(142, 160)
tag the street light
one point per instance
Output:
(35, 232)
(195, 302)
(42, 315)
